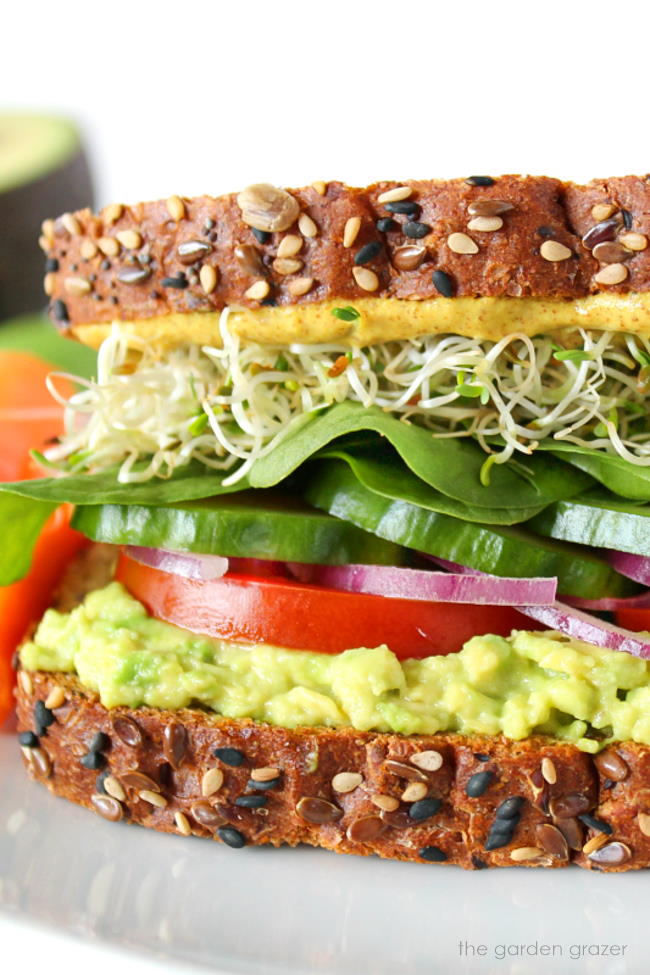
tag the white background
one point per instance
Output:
(205, 97)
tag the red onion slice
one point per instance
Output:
(609, 604)
(442, 587)
(590, 629)
(635, 567)
(186, 564)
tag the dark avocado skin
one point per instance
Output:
(22, 211)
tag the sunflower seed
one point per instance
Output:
(267, 207)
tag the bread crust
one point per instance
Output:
(545, 773)
(89, 256)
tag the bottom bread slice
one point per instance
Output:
(445, 798)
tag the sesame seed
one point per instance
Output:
(109, 246)
(603, 211)
(346, 781)
(47, 229)
(43, 718)
(461, 244)
(397, 193)
(230, 756)
(71, 224)
(265, 774)
(60, 311)
(251, 802)
(509, 809)
(485, 225)
(480, 181)
(99, 742)
(554, 251)
(88, 250)
(433, 854)
(408, 208)
(289, 245)
(387, 803)
(208, 276)
(113, 787)
(27, 739)
(633, 241)
(271, 784)
(178, 281)
(231, 837)
(351, 231)
(26, 684)
(549, 773)
(600, 839)
(627, 219)
(93, 760)
(130, 239)
(299, 286)
(182, 824)
(611, 274)
(287, 265)
(384, 224)
(444, 284)
(425, 808)
(261, 236)
(478, 783)
(643, 820)
(525, 853)
(416, 230)
(49, 282)
(175, 208)
(365, 278)
(211, 782)
(320, 187)
(428, 760)
(77, 286)
(44, 243)
(368, 252)
(112, 212)
(306, 226)
(594, 823)
(414, 791)
(153, 798)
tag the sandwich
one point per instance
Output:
(363, 475)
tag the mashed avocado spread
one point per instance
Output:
(529, 683)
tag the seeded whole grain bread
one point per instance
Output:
(513, 237)
(472, 801)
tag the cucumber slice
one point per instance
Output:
(600, 520)
(249, 524)
(499, 550)
(43, 171)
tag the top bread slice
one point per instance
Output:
(411, 258)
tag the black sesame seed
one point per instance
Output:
(99, 782)
(105, 265)
(178, 281)
(408, 207)
(251, 802)
(480, 181)
(385, 224)
(627, 219)
(100, 742)
(433, 854)
(144, 259)
(271, 784)
(608, 783)
(231, 837)
(478, 783)
(545, 231)
(424, 808)
(269, 302)
(93, 760)
(497, 839)
(415, 230)
(596, 824)
(478, 863)
(481, 757)
(444, 285)
(51, 264)
(261, 236)
(368, 252)
(510, 808)
(60, 310)
(230, 756)
(114, 300)
(43, 718)
(27, 739)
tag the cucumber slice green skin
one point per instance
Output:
(499, 550)
(240, 526)
(597, 520)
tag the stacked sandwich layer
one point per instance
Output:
(349, 441)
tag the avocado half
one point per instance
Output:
(44, 171)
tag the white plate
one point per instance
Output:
(301, 911)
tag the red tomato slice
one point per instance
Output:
(28, 418)
(305, 617)
(633, 619)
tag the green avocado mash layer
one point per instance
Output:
(529, 683)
